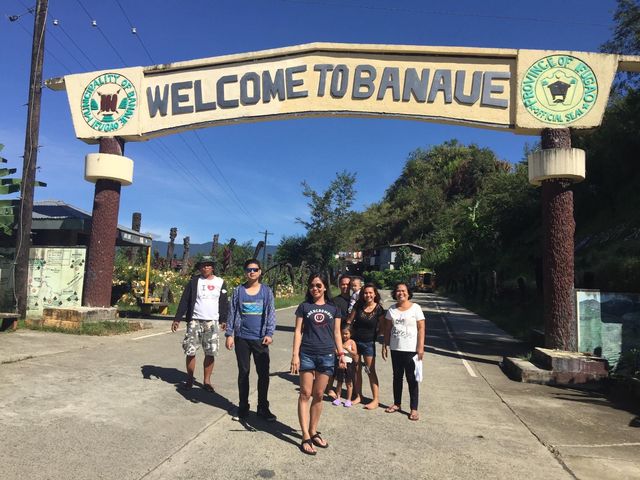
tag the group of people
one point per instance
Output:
(334, 340)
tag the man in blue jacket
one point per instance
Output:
(250, 329)
(205, 307)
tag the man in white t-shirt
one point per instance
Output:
(204, 306)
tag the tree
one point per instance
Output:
(293, 249)
(330, 213)
(626, 40)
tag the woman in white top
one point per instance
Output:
(405, 336)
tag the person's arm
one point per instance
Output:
(231, 323)
(295, 353)
(421, 333)
(337, 336)
(351, 316)
(387, 335)
(223, 307)
(270, 317)
(183, 306)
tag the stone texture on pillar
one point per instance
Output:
(104, 227)
(558, 254)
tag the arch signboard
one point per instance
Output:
(520, 90)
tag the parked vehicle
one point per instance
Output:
(423, 281)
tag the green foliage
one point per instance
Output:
(293, 249)
(626, 40)
(387, 279)
(330, 216)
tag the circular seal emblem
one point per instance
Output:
(109, 102)
(318, 317)
(559, 89)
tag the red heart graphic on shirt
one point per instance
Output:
(211, 287)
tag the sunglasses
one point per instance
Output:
(316, 285)
(251, 270)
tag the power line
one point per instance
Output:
(48, 52)
(134, 31)
(62, 29)
(215, 164)
(95, 24)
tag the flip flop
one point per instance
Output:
(414, 416)
(316, 439)
(309, 442)
(186, 385)
(208, 387)
(392, 409)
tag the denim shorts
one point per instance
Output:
(367, 349)
(319, 363)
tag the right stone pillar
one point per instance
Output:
(555, 167)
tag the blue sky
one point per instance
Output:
(263, 162)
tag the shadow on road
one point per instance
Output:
(195, 395)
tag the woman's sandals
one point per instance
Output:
(392, 409)
(308, 442)
(318, 441)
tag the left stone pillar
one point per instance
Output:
(109, 170)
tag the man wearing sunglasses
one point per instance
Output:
(204, 306)
(252, 322)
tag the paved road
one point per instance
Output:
(86, 408)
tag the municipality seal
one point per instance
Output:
(559, 89)
(109, 102)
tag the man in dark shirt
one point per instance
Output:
(342, 302)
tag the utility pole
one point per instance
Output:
(264, 250)
(23, 235)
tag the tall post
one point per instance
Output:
(264, 250)
(23, 235)
(555, 167)
(104, 229)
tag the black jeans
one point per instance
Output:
(403, 364)
(244, 349)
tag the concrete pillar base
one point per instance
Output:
(557, 163)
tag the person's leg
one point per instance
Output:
(243, 357)
(398, 371)
(262, 361)
(209, 335)
(191, 367)
(306, 386)
(208, 368)
(330, 390)
(409, 368)
(357, 383)
(373, 382)
(339, 380)
(318, 387)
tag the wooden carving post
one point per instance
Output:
(185, 255)
(173, 233)
(214, 246)
(555, 167)
(109, 170)
(228, 255)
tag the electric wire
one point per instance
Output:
(233, 192)
(137, 35)
(48, 52)
(106, 39)
(53, 34)
(62, 29)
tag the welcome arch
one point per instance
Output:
(522, 91)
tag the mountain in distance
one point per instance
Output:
(196, 248)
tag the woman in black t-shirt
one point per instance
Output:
(316, 341)
(367, 322)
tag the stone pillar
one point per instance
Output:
(555, 168)
(173, 233)
(108, 169)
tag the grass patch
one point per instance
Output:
(289, 301)
(97, 329)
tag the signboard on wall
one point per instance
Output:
(56, 277)
(521, 90)
(608, 323)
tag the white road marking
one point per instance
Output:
(466, 364)
(604, 445)
(156, 334)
